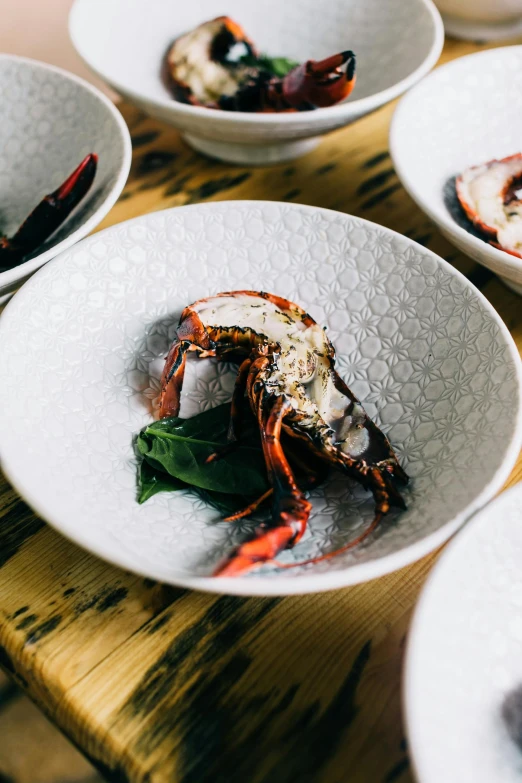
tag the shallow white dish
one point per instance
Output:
(416, 341)
(465, 653)
(396, 42)
(465, 113)
(50, 121)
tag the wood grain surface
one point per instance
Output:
(159, 684)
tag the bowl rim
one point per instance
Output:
(19, 272)
(409, 697)
(338, 112)
(310, 582)
(444, 221)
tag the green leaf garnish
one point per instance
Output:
(180, 447)
(175, 450)
(278, 66)
(275, 66)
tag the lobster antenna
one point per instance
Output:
(350, 545)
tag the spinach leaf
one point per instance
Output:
(151, 481)
(174, 454)
(180, 447)
(278, 66)
(275, 66)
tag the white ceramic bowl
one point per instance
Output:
(481, 19)
(425, 351)
(464, 113)
(396, 43)
(464, 653)
(49, 121)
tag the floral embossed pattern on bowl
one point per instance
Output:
(423, 349)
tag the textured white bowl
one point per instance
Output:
(464, 113)
(482, 20)
(416, 341)
(396, 43)
(49, 121)
(465, 653)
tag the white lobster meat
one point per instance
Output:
(491, 196)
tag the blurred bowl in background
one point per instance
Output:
(465, 113)
(481, 19)
(396, 43)
(50, 121)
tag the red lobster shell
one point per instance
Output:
(491, 197)
(287, 371)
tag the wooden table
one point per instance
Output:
(160, 684)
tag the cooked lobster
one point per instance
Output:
(491, 197)
(217, 66)
(48, 215)
(286, 368)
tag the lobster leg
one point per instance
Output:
(310, 480)
(236, 410)
(290, 511)
(290, 505)
(245, 512)
(383, 491)
(350, 545)
(238, 398)
(48, 215)
(173, 375)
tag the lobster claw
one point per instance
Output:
(320, 83)
(260, 550)
(50, 213)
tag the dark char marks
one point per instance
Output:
(226, 725)
(214, 186)
(30, 619)
(382, 195)
(375, 182)
(18, 612)
(379, 158)
(144, 138)
(16, 527)
(43, 629)
(154, 161)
